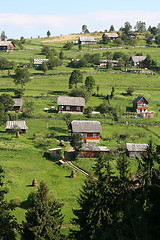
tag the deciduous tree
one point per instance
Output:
(90, 83)
(75, 78)
(22, 76)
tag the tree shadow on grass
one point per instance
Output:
(58, 93)
(24, 205)
(6, 90)
(129, 109)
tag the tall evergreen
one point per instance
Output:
(43, 218)
(8, 224)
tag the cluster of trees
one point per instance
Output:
(86, 60)
(122, 205)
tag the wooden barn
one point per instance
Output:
(19, 124)
(92, 151)
(89, 129)
(111, 35)
(6, 46)
(86, 40)
(140, 104)
(137, 61)
(17, 107)
(73, 105)
(136, 149)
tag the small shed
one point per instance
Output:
(136, 149)
(89, 129)
(20, 124)
(6, 46)
(17, 107)
(111, 35)
(92, 151)
(55, 152)
(70, 104)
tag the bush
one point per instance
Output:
(15, 202)
(80, 92)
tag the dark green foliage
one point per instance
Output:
(5, 64)
(48, 33)
(85, 29)
(43, 218)
(8, 224)
(105, 39)
(3, 114)
(157, 39)
(77, 143)
(7, 101)
(92, 58)
(68, 46)
(68, 119)
(44, 67)
(22, 76)
(88, 112)
(28, 108)
(90, 83)
(78, 63)
(45, 49)
(127, 28)
(111, 28)
(130, 90)
(19, 92)
(140, 27)
(81, 92)
(3, 36)
(75, 78)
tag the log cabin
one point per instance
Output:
(21, 125)
(6, 46)
(73, 105)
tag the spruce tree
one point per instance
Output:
(43, 218)
(8, 224)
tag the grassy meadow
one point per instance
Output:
(27, 157)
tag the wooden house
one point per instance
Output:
(90, 130)
(92, 151)
(136, 149)
(138, 61)
(140, 104)
(111, 35)
(55, 152)
(19, 124)
(71, 104)
(17, 107)
(86, 40)
(6, 46)
(38, 62)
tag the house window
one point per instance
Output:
(84, 135)
(78, 108)
(68, 108)
(94, 135)
(60, 107)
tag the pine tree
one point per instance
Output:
(43, 218)
(8, 224)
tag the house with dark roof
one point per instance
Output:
(140, 104)
(71, 104)
(90, 130)
(18, 124)
(17, 107)
(86, 40)
(138, 61)
(6, 46)
(92, 151)
(136, 149)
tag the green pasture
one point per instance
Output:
(28, 157)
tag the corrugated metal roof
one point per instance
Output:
(70, 101)
(5, 43)
(93, 148)
(137, 59)
(136, 147)
(86, 126)
(18, 102)
(138, 98)
(39, 61)
(20, 124)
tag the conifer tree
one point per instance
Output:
(43, 218)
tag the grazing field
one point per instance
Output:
(27, 157)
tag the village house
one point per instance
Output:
(137, 61)
(38, 62)
(110, 35)
(19, 124)
(86, 40)
(71, 104)
(17, 107)
(136, 149)
(55, 152)
(92, 151)
(90, 130)
(6, 46)
(140, 104)
(103, 62)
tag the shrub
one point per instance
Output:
(15, 202)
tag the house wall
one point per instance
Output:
(72, 109)
(139, 108)
(90, 137)
(86, 154)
